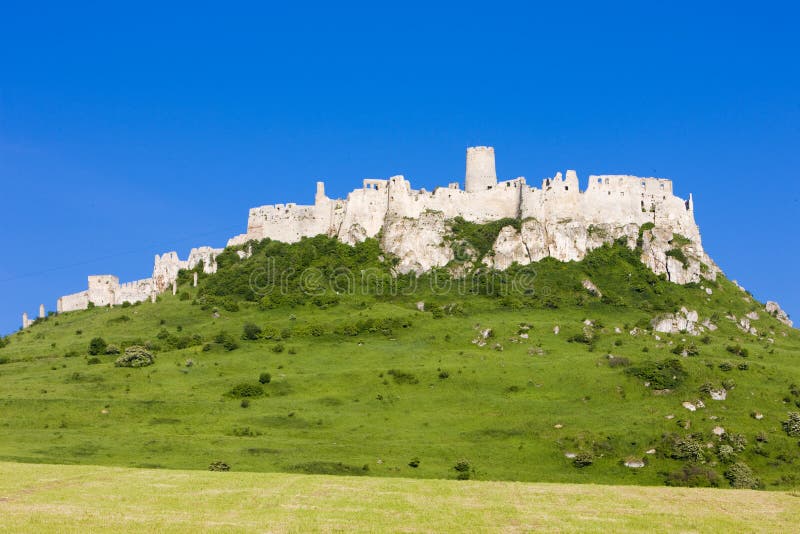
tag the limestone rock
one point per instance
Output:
(674, 323)
(774, 309)
(418, 243)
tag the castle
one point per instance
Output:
(557, 220)
(609, 199)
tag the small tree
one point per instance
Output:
(97, 346)
(251, 332)
(265, 378)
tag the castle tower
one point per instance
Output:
(25, 322)
(41, 311)
(320, 196)
(481, 174)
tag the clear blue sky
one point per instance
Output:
(130, 130)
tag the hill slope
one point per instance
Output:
(362, 382)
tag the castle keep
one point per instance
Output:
(557, 220)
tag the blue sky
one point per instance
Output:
(131, 130)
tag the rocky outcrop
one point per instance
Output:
(675, 323)
(774, 309)
(419, 243)
(681, 262)
(662, 250)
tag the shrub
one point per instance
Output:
(792, 425)
(738, 350)
(97, 346)
(94, 360)
(741, 476)
(443, 374)
(135, 356)
(679, 255)
(687, 350)
(463, 469)
(737, 441)
(725, 366)
(251, 331)
(666, 374)
(218, 465)
(402, 377)
(687, 449)
(4, 342)
(579, 338)
(583, 459)
(414, 463)
(693, 476)
(278, 348)
(618, 361)
(743, 366)
(265, 378)
(112, 349)
(4, 360)
(226, 340)
(726, 454)
(245, 403)
(245, 390)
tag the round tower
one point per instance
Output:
(481, 173)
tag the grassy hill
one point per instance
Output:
(361, 382)
(37, 498)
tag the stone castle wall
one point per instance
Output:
(608, 200)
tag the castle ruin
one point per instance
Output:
(557, 220)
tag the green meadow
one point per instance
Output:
(37, 498)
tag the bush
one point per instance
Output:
(97, 346)
(112, 349)
(278, 348)
(792, 425)
(583, 459)
(245, 390)
(687, 449)
(726, 454)
(4, 360)
(463, 469)
(666, 374)
(94, 360)
(4, 342)
(618, 361)
(443, 374)
(251, 331)
(414, 463)
(741, 476)
(245, 403)
(265, 378)
(226, 340)
(738, 350)
(402, 377)
(725, 366)
(218, 465)
(135, 356)
(693, 476)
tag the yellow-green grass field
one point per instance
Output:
(56, 498)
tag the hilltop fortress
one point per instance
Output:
(556, 220)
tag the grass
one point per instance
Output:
(37, 498)
(365, 384)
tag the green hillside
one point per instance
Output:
(312, 358)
